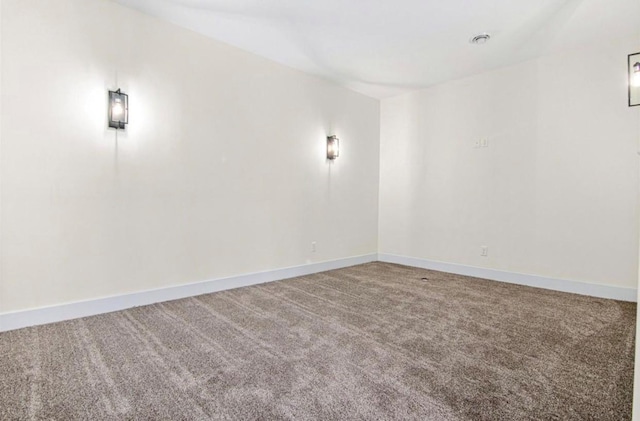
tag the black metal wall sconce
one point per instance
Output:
(634, 79)
(333, 147)
(118, 109)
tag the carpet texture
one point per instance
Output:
(374, 341)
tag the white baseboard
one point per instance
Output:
(594, 290)
(57, 313)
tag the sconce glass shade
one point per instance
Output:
(118, 109)
(634, 79)
(635, 76)
(333, 147)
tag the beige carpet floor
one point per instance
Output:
(374, 341)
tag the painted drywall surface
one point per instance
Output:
(222, 170)
(636, 378)
(554, 194)
(636, 371)
(1, 31)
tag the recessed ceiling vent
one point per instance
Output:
(480, 39)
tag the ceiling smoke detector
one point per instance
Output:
(480, 39)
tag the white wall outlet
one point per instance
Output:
(484, 142)
(476, 144)
(313, 247)
(484, 251)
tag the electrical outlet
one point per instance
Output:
(313, 247)
(476, 144)
(484, 142)
(484, 251)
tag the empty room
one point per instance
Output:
(319, 210)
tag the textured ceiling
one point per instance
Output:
(383, 48)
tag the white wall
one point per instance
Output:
(221, 171)
(556, 192)
(636, 378)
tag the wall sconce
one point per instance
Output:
(118, 109)
(333, 147)
(634, 79)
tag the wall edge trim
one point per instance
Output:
(563, 285)
(74, 310)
